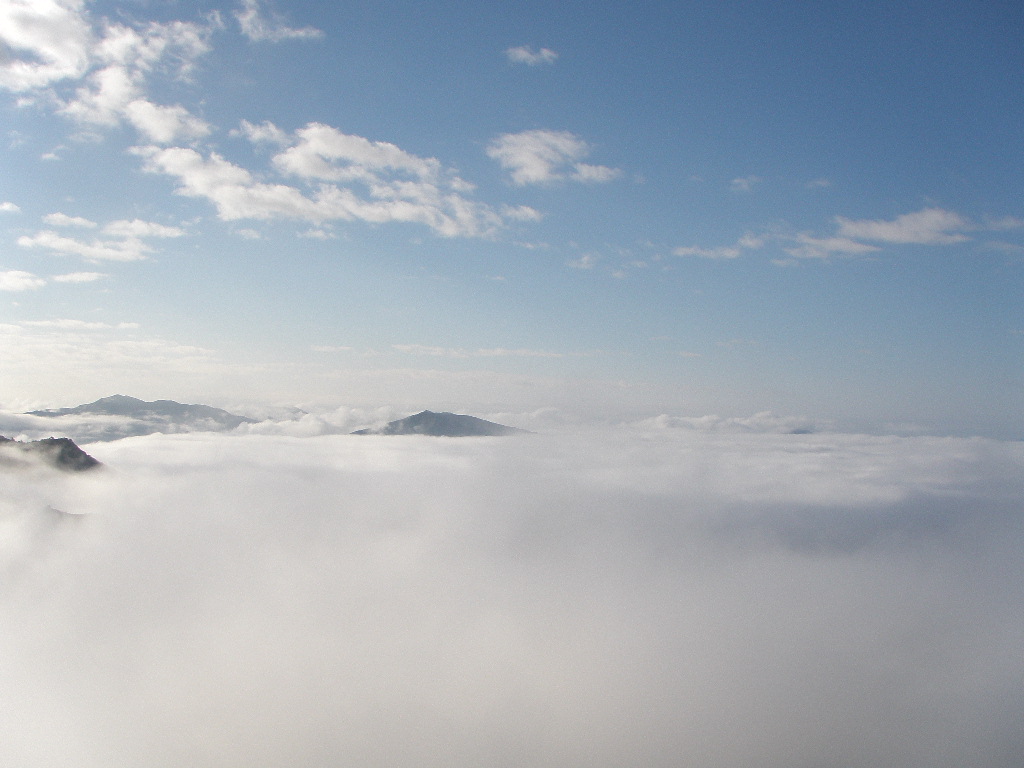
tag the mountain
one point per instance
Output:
(57, 452)
(111, 418)
(442, 425)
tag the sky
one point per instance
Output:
(651, 596)
(609, 210)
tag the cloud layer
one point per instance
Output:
(643, 597)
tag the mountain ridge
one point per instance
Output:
(119, 416)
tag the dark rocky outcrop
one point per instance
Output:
(57, 452)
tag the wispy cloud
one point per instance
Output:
(259, 24)
(810, 247)
(545, 157)
(748, 242)
(63, 220)
(929, 226)
(525, 54)
(744, 184)
(79, 277)
(122, 242)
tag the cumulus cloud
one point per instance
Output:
(524, 54)
(347, 177)
(165, 124)
(104, 66)
(16, 280)
(258, 25)
(544, 157)
(9, 207)
(603, 599)
(52, 38)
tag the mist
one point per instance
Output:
(633, 596)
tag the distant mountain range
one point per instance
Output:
(57, 452)
(111, 418)
(442, 425)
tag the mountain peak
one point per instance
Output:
(442, 424)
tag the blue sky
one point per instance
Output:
(812, 209)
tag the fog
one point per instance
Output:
(641, 596)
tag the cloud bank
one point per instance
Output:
(644, 597)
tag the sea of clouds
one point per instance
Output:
(636, 596)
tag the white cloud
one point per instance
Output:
(544, 157)
(123, 240)
(929, 226)
(139, 228)
(524, 54)
(350, 178)
(104, 99)
(322, 152)
(165, 125)
(264, 132)
(810, 247)
(612, 598)
(8, 207)
(128, 249)
(16, 280)
(521, 213)
(107, 63)
(255, 24)
(594, 174)
(747, 242)
(78, 277)
(53, 38)
(63, 220)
